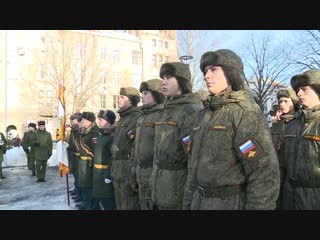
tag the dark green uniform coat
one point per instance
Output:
(26, 143)
(102, 166)
(233, 162)
(169, 171)
(126, 198)
(41, 142)
(144, 150)
(301, 146)
(3, 149)
(87, 143)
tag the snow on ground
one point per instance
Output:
(20, 191)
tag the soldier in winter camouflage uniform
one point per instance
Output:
(127, 198)
(172, 132)
(300, 143)
(233, 162)
(288, 104)
(152, 99)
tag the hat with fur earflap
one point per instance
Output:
(155, 87)
(231, 64)
(43, 123)
(89, 116)
(308, 78)
(288, 93)
(129, 91)
(179, 70)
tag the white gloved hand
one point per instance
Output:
(106, 180)
(29, 148)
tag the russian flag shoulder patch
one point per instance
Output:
(249, 149)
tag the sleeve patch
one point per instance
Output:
(249, 150)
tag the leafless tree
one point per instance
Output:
(307, 50)
(268, 67)
(69, 56)
(192, 43)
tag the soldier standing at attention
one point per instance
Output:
(3, 149)
(122, 147)
(233, 162)
(26, 145)
(102, 189)
(288, 104)
(152, 99)
(41, 142)
(300, 144)
(172, 132)
(73, 152)
(87, 142)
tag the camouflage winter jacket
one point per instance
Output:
(123, 142)
(301, 147)
(233, 162)
(41, 143)
(169, 171)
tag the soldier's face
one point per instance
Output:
(41, 127)
(286, 105)
(215, 79)
(85, 123)
(170, 86)
(147, 98)
(308, 97)
(31, 129)
(101, 122)
(124, 101)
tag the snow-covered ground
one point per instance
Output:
(17, 157)
(20, 191)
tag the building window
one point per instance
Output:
(160, 61)
(116, 78)
(103, 101)
(166, 45)
(136, 80)
(166, 59)
(154, 43)
(116, 56)
(115, 102)
(160, 43)
(136, 57)
(154, 60)
(103, 53)
(103, 77)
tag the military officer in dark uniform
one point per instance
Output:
(26, 145)
(41, 142)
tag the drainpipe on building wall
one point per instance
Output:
(142, 77)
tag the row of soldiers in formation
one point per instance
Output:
(170, 154)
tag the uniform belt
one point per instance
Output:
(85, 158)
(77, 154)
(100, 166)
(171, 165)
(222, 191)
(145, 164)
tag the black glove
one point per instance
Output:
(26, 150)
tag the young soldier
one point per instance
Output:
(169, 171)
(126, 197)
(87, 141)
(26, 145)
(102, 187)
(152, 99)
(233, 162)
(300, 143)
